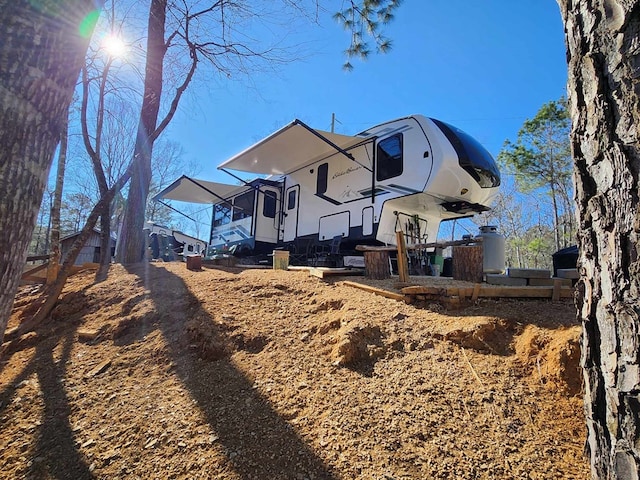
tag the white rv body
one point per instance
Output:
(408, 174)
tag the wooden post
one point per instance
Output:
(467, 263)
(476, 292)
(557, 286)
(376, 265)
(403, 266)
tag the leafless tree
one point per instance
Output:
(185, 34)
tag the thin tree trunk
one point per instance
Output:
(554, 200)
(105, 239)
(41, 53)
(556, 217)
(54, 259)
(569, 213)
(105, 242)
(604, 96)
(47, 239)
(36, 249)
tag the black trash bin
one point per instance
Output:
(447, 267)
(565, 258)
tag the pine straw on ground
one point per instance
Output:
(160, 372)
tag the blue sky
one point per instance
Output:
(482, 66)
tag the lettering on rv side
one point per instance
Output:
(346, 172)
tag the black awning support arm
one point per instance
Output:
(206, 189)
(176, 210)
(246, 184)
(329, 142)
(170, 187)
(213, 193)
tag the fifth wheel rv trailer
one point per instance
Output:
(404, 175)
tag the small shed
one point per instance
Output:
(90, 252)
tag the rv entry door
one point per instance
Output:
(291, 204)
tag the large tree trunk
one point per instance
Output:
(41, 52)
(132, 243)
(603, 50)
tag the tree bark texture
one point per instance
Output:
(105, 236)
(376, 265)
(467, 263)
(41, 52)
(603, 51)
(133, 241)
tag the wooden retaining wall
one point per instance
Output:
(459, 295)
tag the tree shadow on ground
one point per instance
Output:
(55, 454)
(258, 442)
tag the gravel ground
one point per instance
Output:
(160, 372)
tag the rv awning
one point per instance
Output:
(289, 149)
(192, 190)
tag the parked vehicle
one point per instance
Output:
(407, 174)
(168, 245)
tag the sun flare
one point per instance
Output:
(114, 46)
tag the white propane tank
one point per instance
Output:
(492, 250)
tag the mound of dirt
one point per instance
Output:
(206, 340)
(358, 344)
(492, 336)
(552, 357)
(224, 373)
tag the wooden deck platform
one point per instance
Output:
(446, 293)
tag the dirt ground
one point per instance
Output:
(160, 372)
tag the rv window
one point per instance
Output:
(269, 206)
(190, 248)
(221, 214)
(291, 201)
(323, 174)
(389, 158)
(243, 205)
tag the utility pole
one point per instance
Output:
(333, 122)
